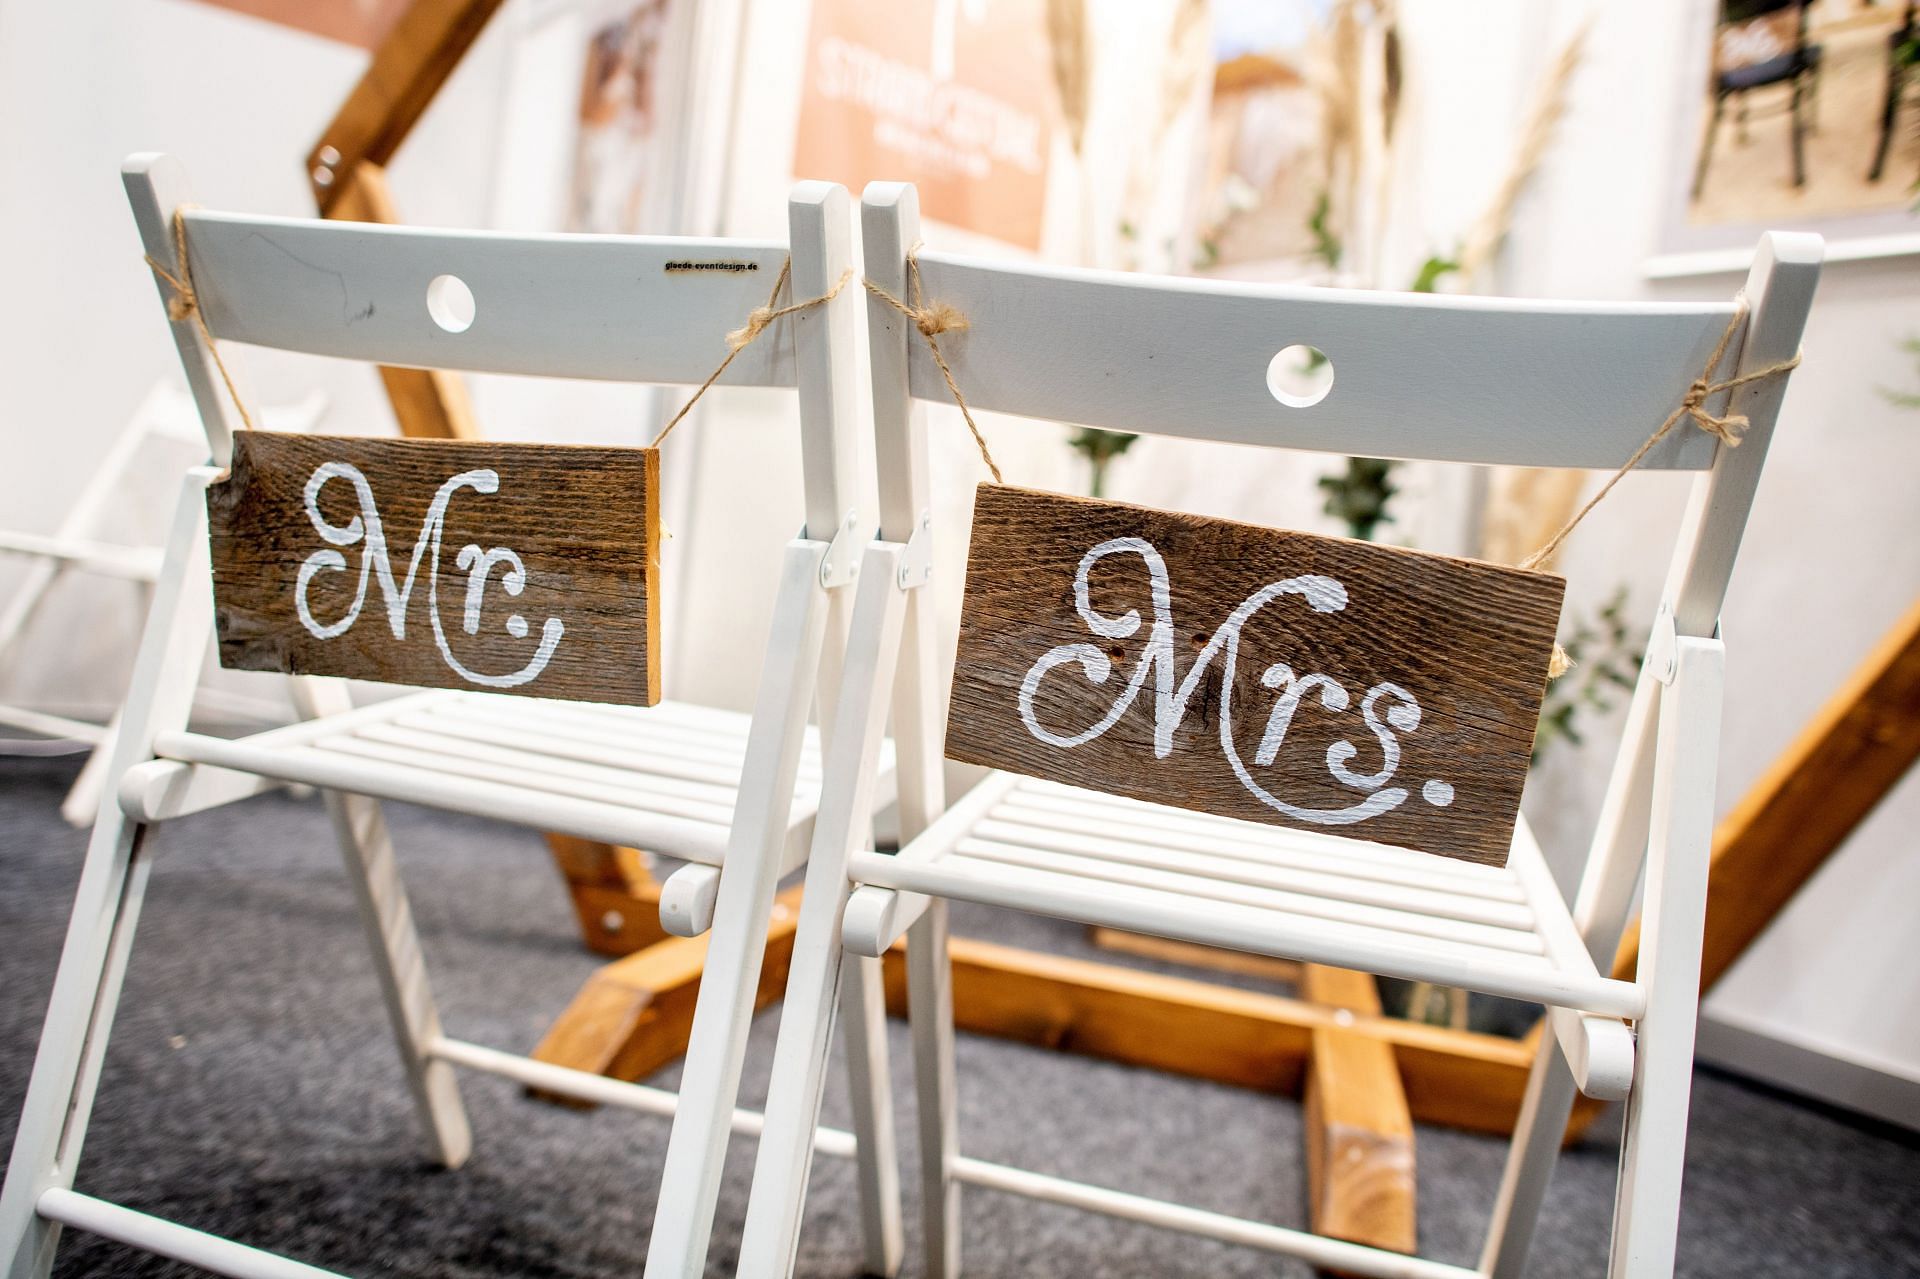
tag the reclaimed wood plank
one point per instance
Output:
(573, 611)
(408, 68)
(1314, 682)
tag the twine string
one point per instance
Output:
(1728, 428)
(185, 302)
(741, 338)
(933, 319)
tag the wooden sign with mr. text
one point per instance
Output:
(514, 568)
(1313, 682)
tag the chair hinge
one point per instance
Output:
(1663, 646)
(916, 558)
(841, 564)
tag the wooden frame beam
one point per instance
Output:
(1854, 750)
(1359, 1128)
(634, 1015)
(407, 71)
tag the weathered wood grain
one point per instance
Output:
(1416, 678)
(1360, 1143)
(584, 523)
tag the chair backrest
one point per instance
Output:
(1464, 379)
(643, 309)
(1495, 381)
(1751, 32)
(655, 310)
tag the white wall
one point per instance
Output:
(1831, 559)
(239, 101)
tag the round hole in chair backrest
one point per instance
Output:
(1300, 376)
(450, 303)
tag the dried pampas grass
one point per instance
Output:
(1189, 59)
(1069, 34)
(1483, 239)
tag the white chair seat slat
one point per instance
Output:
(1265, 846)
(718, 770)
(1142, 811)
(637, 730)
(641, 786)
(659, 778)
(1110, 860)
(1230, 871)
(1208, 888)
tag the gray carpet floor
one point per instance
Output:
(251, 1089)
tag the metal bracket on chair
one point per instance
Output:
(1663, 646)
(916, 558)
(841, 564)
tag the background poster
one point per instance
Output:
(952, 95)
(619, 150)
(1798, 116)
(361, 22)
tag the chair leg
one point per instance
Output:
(785, 1161)
(930, 1012)
(1706, 144)
(361, 826)
(863, 1015)
(1889, 111)
(1799, 133)
(710, 1076)
(83, 799)
(824, 980)
(1646, 1219)
(1537, 1137)
(73, 1042)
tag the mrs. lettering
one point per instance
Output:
(1387, 709)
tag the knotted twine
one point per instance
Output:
(1728, 428)
(934, 318)
(741, 338)
(185, 302)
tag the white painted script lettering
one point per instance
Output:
(365, 530)
(1387, 709)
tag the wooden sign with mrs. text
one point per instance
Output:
(1314, 682)
(514, 568)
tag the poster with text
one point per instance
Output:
(954, 96)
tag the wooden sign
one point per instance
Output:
(1314, 682)
(514, 568)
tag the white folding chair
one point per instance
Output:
(1450, 378)
(733, 795)
(165, 414)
